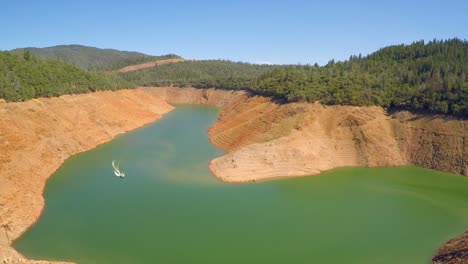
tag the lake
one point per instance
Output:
(170, 209)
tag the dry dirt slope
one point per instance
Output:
(433, 141)
(38, 135)
(301, 139)
(321, 138)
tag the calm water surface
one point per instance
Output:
(170, 209)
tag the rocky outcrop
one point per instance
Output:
(454, 251)
(38, 135)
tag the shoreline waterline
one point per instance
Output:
(267, 193)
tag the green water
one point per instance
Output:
(169, 209)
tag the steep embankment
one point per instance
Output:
(433, 141)
(268, 140)
(149, 65)
(265, 139)
(38, 135)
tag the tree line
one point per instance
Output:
(199, 74)
(430, 77)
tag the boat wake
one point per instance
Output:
(117, 170)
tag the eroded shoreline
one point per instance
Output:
(261, 137)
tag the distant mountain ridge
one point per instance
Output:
(91, 57)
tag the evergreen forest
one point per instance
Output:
(428, 77)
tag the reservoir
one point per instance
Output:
(170, 209)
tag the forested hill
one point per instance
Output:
(23, 77)
(90, 57)
(431, 77)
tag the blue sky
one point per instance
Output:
(255, 31)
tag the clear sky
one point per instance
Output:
(286, 31)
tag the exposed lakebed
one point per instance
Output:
(170, 209)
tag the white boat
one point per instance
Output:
(117, 171)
